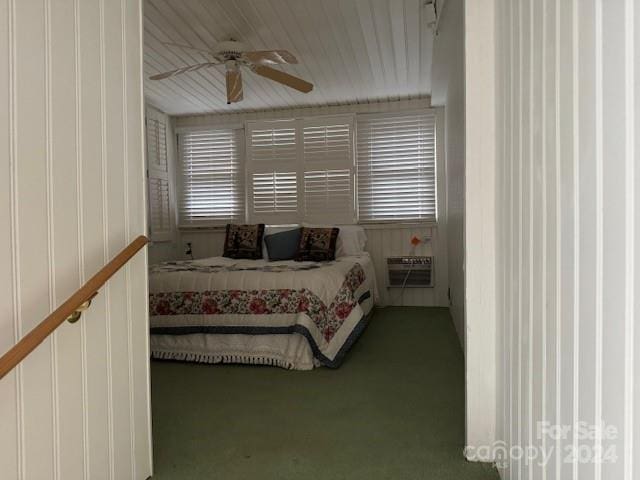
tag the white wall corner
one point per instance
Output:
(479, 221)
(447, 89)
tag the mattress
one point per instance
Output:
(296, 315)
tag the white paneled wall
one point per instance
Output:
(72, 196)
(568, 190)
(479, 224)
(204, 243)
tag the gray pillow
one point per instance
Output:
(283, 245)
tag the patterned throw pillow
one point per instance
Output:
(317, 244)
(244, 241)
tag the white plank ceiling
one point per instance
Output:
(353, 51)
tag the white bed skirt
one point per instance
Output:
(290, 351)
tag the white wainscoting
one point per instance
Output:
(204, 243)
(393, 241)
(71, 196)
(383, 241)
(163, 251)
(568, 123)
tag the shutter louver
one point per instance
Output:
(275, 193)
(272, 166)
(396, 167)
(276, 144)
(212, 177)
(328, 196)
(159, 207)
(160, 214)
(328, 170)
(327, 143)
(157, 144)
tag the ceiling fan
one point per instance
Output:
(232, 55)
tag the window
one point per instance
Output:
(324, 170)
(396, 167)
(301, 170)
(212, 177)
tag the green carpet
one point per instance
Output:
(394, 410)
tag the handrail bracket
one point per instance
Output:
(75, 316)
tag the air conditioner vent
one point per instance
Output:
(411, 272)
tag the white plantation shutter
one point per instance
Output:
(301, 169)
(396, 165)
(157, 144)
(272, 171)
(327, 147)
(212, 177)
(160, 213)
(159, 209)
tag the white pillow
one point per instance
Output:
(270, 230)
(352, 239)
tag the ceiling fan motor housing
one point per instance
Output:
(230, 49)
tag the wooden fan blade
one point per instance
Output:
(284, 78)
(266, 57)
(178, 71)
(234, 86)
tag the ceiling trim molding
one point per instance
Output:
(217, 119)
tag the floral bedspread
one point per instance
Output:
(196, 266)
(321, 301)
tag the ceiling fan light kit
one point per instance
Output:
(234, 81)
(233, 55)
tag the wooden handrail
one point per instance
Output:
(75, 302)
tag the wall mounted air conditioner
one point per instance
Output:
(410, 272)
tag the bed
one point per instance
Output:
(295, 315)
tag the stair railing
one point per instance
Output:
(70, 310)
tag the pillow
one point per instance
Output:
(352, 239)
(270, 230)
(244, 241)
(283, 245)
(317, 244)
